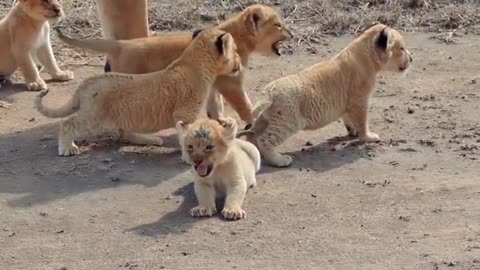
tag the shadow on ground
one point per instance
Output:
(31, 168)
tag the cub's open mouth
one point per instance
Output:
(203, 170)
(276, 49)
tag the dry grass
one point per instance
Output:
(311, 20)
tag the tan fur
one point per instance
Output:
(333, 89)
(258, 29)
(232, 164)
(139, 104)
(25, 39)
(123, 19)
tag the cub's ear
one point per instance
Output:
(229, 128)
(223, 43)
(181, 128)
(196, 33)
(383, 41)
(255, 18)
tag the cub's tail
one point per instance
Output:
(67, 109)
(107, 46)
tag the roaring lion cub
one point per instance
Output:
(25, 38)
(224, 166)
(322, 93)
(138, 104)
(257, 29)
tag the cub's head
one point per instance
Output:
(206, 142)
(217, 46)
(42, 9)
(266, 28)
(390, 47)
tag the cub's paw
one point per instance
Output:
(37, 86)
(227, 122)
(68, 150)
(63, 76)
(370, 137)
(281, 161)
(233, 213)
(185, 158)
(202, 211)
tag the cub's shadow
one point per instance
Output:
(333, 153)
(179, 221)
(31, 168)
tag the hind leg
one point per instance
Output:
(140, 139)
(70, 129)
(352, 132)
(277, 131)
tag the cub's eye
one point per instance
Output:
(278, 25)
(402, 48)
(190, 147)
(209, 147)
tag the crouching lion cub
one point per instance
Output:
(224, 166)
(138, 104)
(25, 40)
(322, 93)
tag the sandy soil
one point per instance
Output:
(409, 202)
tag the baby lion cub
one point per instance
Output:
(25, 39)
(135, 105)
(223, 165)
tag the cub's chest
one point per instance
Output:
(40, 38)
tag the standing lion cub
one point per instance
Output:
(224, 166)
(25, 37)
(333, 89)
(137, 105)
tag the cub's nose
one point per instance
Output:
(57, 10)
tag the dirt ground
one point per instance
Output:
(408, 202)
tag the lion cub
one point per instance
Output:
(322, 93)
(258, 29)
(224, 166)
(138, 104)
(25, 37)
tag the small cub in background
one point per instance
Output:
(25, 40)
(224, 166)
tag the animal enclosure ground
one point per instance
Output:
(408, 202)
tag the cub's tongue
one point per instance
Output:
(202, 170)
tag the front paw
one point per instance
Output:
(37, 86)
(233, 213)
(227, 122)
(68, 150)
(370, 137)
(63, 76)
(203, 211)
(282, 161)
(185, 159)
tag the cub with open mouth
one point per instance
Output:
(223, 165)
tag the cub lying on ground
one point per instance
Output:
(322, 93)
(25, 39)
(223, 165)
(139, 104)
(257, 29)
